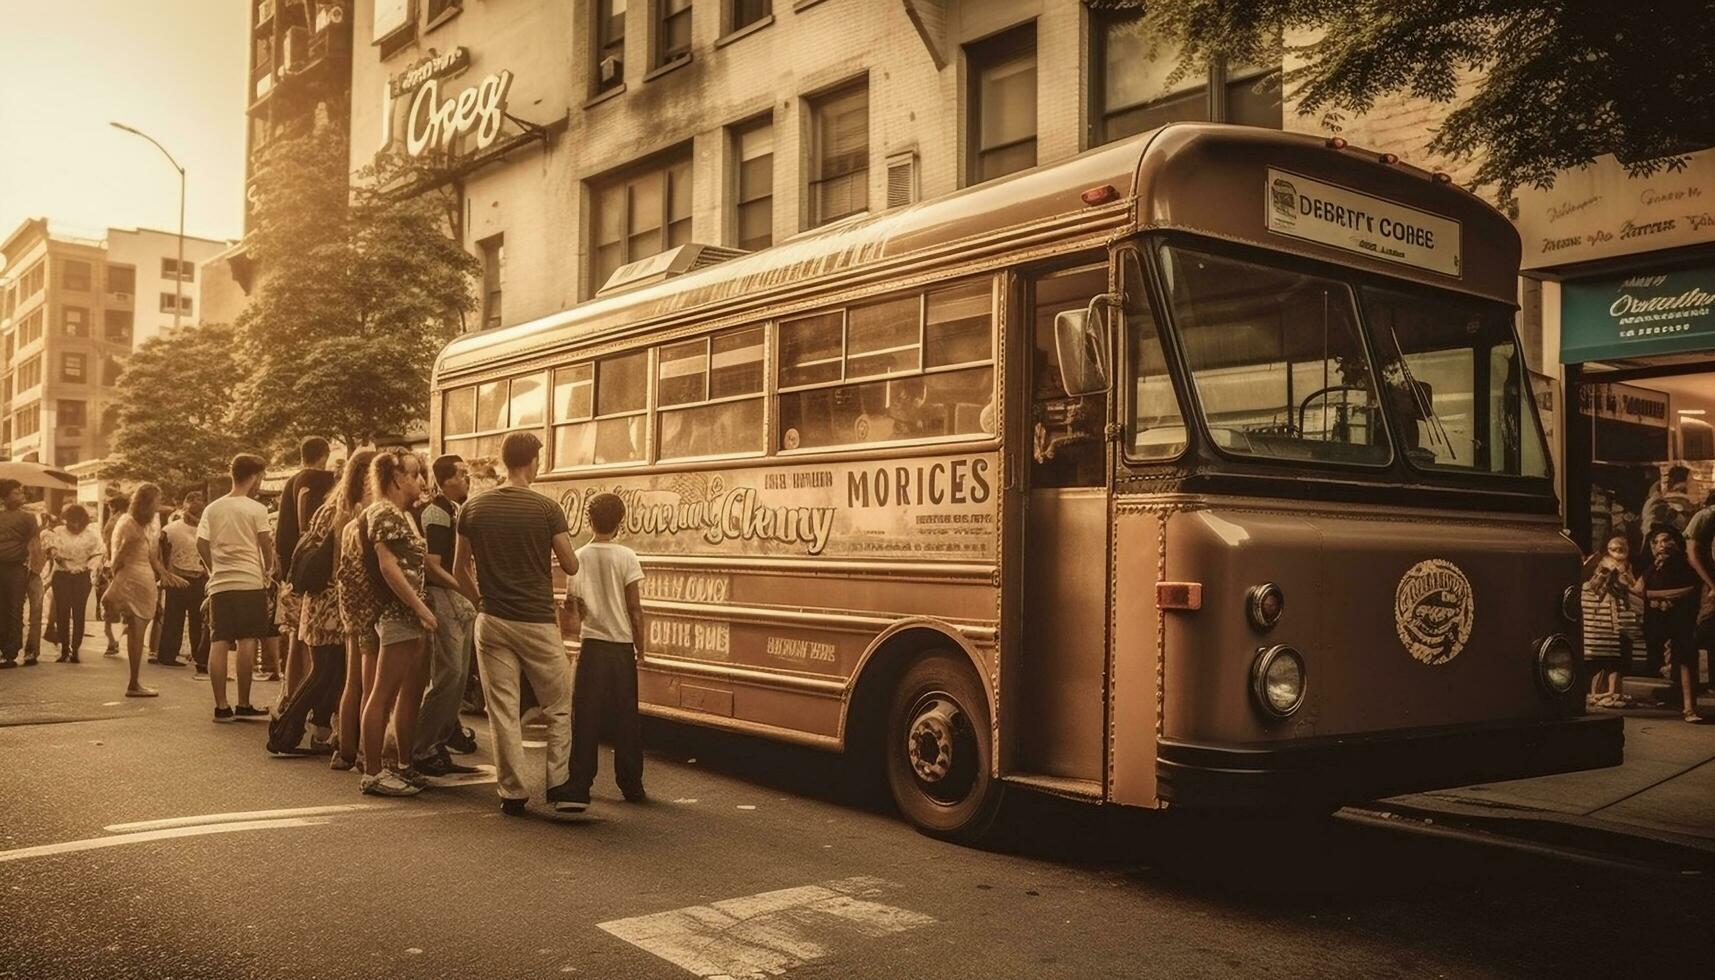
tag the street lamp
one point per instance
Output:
(179, 268)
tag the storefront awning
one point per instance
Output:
(1637, 315)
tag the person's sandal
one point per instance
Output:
(1693, 718)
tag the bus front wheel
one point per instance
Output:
(940, 750)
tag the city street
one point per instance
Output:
(143, 841)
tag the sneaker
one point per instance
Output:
(342, 764)
(569, 800)
(414, 776)
(249, 711)
(321, 741)
(462, 742)
(223, 714)
(511, 807)
(442, 764)
(635, 795)
(29, 660)
(201, 670)
(112, 650)
(387, 783)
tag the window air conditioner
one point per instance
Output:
(611, 67)
(122, 297)
(264, 11)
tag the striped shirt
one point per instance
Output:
(511, 533)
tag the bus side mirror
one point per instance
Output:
(1082, 339)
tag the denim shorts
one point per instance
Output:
(391, 631)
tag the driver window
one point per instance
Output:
(1066, 431)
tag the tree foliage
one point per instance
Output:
(1552, 84)
(175, 409)
(359, 290)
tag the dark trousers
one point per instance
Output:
(14, 585)
(315, 700)
(605, 691)
(71, 595)
(182, 604)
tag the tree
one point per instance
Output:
(175, 409)
(1552, 84)
(360, 290)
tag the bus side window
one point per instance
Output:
(1066, 432)
(1155, 427)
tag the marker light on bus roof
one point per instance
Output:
(1336, 142)
(1100, 195)
(1389, 158)
(1442, 177)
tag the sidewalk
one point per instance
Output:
(1659, 804)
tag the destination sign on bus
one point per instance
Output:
(939, 508)
(1331, 215)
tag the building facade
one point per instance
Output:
(72, 308)
(587, 135)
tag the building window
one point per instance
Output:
(111, 368)
(184, 303)
(493, 260)
(74, 368)
(30, 373)
(117, 326)
(743, 13)
(839, 153)
(28, 421)
(30, 329)
(753, 199)
(75, 321)
(1132, 93)
(121, 279)
(609, 54)
(182, 271)
(77, 276)
(640, 213)
(32, 281)
(73, 413)
(1002, 94)
(441, 11)
(672, 31)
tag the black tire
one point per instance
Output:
(946, 788)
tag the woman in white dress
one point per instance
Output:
(137, 569)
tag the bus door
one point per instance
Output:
(1058, 705)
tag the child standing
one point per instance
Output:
(1669, 589)
(608, 601)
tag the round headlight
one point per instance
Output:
(1556, 664)
(1277, 681)
(1263, 605)
(1572, 604)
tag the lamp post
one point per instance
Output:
(179, 267)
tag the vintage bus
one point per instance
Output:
(1200, 470)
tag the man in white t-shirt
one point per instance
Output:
(237, 545)
(184, 559)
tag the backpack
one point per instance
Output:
(312, 564)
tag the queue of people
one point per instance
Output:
(388, 590)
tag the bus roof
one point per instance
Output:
(1202, 178)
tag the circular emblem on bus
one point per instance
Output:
(1433, 610)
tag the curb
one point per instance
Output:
(1564, 832)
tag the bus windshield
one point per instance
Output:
(1455, 383)
(1277, 360)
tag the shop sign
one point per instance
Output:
(1637, 315)
(944, 508)
(433, 65)
(1345, 219)
(1599, 212)
(433, 124)
(1624, 403)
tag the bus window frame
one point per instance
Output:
(1285, 262)
(922, 291)
(658, 411)
(545, 375)
(596, 418)
(1154, 299)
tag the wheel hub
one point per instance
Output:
(930, 740)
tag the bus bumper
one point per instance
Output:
(1332, 770)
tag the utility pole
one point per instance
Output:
(179, 264)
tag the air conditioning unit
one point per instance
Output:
(122, 297)
(611, 69)
(264, 11)
(902, 179)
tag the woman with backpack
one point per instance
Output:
(354, 604)
(317, 626)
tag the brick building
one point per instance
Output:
(586, 135)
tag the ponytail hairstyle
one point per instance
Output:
(353, 483)
(385, 469)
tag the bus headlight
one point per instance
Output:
(1556, 665)
(1572, 604)
(1277, 681)
(1263, 605)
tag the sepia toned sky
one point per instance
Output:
(172, 68)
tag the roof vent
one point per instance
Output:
(902, 179)
(666, 265)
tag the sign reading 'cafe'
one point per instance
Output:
(434, 123)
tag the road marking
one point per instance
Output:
(168, 833)
(767, 934)
(239, 817)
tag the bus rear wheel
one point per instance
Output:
(940, 751)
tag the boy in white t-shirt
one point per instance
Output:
(608, 601)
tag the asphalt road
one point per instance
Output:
(744, 864)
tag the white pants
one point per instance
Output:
(506, 650)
